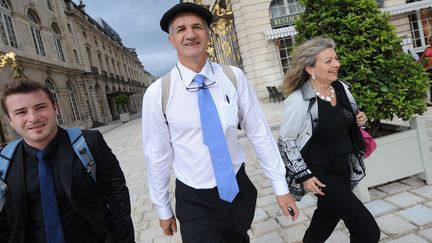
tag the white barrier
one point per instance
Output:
(397, 156)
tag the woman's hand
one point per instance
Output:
(361, 119)
(314, 185)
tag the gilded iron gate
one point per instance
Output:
(223, 46)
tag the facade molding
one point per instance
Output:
(82, 74)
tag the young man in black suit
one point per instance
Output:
(78, 209)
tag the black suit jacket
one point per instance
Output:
(104, 204)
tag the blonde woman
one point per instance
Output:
(321, 144)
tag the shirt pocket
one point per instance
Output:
(229, 114)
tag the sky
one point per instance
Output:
(137, 23)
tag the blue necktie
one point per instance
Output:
(53, 225)
(214, 138)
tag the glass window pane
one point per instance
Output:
(285, 46)
(4, 5)
(3, 32)
(50, 86)
(10, 31)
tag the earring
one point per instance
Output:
(313, 76)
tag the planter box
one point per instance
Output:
(125, 117)
(397, 156)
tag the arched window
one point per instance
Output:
(89, 55)
(118, 68)
(35, 32)
(99, 98)
(7, 32)
(72, 102)
(51, 88)
(101, 66)
(107, 89)
(57, 41)
(107, 64)
(114, 66)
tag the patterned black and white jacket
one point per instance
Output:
(299, 120)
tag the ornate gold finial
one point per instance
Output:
(199, 2)
(11, 57)
(222, 12)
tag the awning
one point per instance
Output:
(279, 33)
(408, 7)
(393, 10)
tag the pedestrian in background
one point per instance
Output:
(427, 54)
(321, 144)
(197, 135)
(51, 198)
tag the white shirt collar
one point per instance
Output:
(187, 75)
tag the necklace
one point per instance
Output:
(326, 98)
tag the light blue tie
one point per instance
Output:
(214, 138)
(52, 221)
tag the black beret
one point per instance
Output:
(184, 8)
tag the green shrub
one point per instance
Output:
(386, 82)
(121, 99)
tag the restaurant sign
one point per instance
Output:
(283, 21)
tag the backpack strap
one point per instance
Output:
(5, 158)
(230, 74)
(165, 86)
(82, 151)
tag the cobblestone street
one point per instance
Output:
(403, 209)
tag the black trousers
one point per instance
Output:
(339, 203)
(204, 217)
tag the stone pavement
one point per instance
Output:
(403, 209)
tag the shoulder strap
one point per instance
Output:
(230, 74)
(82, 151)
(6, 156)
(165, 86)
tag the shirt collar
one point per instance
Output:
(307, 90)
(187, 75)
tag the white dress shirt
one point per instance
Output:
(180, 143)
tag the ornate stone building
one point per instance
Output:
(264, 34)
(80, 59)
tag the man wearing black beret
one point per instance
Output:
(190, 118)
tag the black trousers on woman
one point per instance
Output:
(339, 203)
(204, 217)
